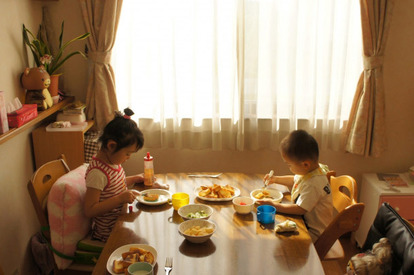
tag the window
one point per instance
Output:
(237, 74)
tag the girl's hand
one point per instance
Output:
(138, 178)
(160, 185)
(129, 196)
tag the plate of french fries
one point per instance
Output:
(128, 254)
(217, 192)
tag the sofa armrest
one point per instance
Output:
(389, 224)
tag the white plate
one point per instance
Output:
(165, 195)
(117, 255)
(236, 194)
(275, 194)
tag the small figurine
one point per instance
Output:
(378, 261)
(36, 81)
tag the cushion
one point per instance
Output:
(68, 223)
(389, 224)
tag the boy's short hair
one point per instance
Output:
(299, 145)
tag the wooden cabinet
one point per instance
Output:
(374, 192)
(50, 145)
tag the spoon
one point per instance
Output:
(266, 183)
(206, 176)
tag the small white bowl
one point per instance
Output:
(193, 208)
(246, 207)
(200, 222)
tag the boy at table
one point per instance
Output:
(310, 189)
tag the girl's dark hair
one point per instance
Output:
(123, 130)
(300, 146)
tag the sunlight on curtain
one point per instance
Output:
(176, 65)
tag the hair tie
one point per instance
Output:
(127, 117)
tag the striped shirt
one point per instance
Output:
(115, 184)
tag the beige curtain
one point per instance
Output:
(366, 126)
(101, 20)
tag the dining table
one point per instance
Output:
(240, 244)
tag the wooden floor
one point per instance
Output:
(339, 267)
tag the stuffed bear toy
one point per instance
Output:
(36, 81)
(378, 261)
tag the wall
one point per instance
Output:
(18, 218)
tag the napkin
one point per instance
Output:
(13, 105)
(286, 226)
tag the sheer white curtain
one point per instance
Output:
(237, 74)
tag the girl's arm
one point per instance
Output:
(131, 180)
(93, 207)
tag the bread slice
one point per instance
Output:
(118, 266)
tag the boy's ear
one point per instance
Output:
(307, 164)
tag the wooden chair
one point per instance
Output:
(344, 193)
(330, 174)
(39, 187)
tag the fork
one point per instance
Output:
(206, 176)
(168, 265)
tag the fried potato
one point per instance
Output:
(216, 191)
(262, 194)
(197, 230)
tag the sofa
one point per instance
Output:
(389, 224)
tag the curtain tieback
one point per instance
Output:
(372, 62)
(100, 57)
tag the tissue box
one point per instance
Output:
(22, 115)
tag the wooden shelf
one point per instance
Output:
(41, 116)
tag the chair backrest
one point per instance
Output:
(344, 191)
(41, 183)
(347, 220)
(347, 217)
(330, 174)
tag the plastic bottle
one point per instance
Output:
(148, 170)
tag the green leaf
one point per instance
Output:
(39, 47)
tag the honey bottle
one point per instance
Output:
(148, 170)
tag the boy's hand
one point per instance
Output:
(266, 202)
(268, 178)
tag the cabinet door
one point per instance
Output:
(49, 146)
(402, 204)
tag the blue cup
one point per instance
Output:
(266, 214)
